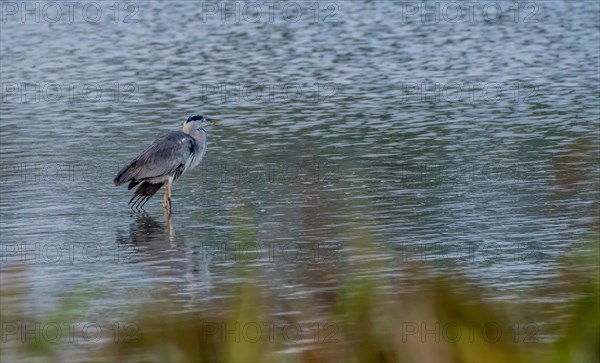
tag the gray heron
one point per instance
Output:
(165, 161)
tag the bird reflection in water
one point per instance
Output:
(179, 270)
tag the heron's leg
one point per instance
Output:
(169, 228)
(167, 199)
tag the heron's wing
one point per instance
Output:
(166, 156)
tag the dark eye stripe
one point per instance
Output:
(195, 118)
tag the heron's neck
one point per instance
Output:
(199, 136)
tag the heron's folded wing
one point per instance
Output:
(166, 156)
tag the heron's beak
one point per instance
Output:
(212, 120)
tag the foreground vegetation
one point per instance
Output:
(441, 319)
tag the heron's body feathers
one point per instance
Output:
(169, 155)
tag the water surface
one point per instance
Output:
(469, 146)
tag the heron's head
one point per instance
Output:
(198, 122)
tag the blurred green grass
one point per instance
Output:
(443, 319)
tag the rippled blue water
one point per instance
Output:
(469, 145)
